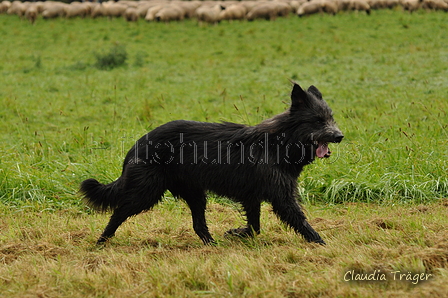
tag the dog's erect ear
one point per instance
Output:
(313, 90)
(298, 96)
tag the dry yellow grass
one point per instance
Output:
(157, 254)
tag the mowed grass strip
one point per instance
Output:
(379, 201)
(158, 254)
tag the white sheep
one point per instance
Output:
(115, 9)
(282, 8)
(209, 14)
(359, 5)
(266, 10)
(143, 6)
(130, 3)
(189, 7)
(329, 6)
(77, 10)
(234, 12)
(435, 4)
(53, 10)
(98, 10)
(151, 13)
(131, 14)
(392, 3)
(17, 8)
(343, 5)
(4, 6)
(170, 13)
(31, 13)
(411, 5)
(249, 4)
(295, 4)
(376, 4)
(309, 8)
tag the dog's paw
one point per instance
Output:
(320, 241)
(212, 243)
(101, 241)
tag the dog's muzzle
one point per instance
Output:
(338, 138)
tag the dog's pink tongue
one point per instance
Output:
(322, 150)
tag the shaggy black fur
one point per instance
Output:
(248, 164)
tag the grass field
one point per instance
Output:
(380, 202)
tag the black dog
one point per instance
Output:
(248, 164)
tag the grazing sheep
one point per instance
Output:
(359, 5)
(115, 9)
(130, 3)
(189, 7)
(283, 8)
(209, 14)
(76, 10)
(392, 3)
(31, 13)
(343, 5)
(435, 4)
(309, 8)
(295, 4)
(169, 13)
(234, 12)
(53, 10)
(131, 14)
(17, 8)
(411, 5)
(383, 4)
(249, 4)
(98, 10)
(329, 6)
(40, 6)
(376, 4)
(4, 6)
(143, 7)
(151, 13)
(266, 10)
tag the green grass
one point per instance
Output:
(385, 77)
(64, 120)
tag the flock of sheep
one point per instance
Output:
(205, 11)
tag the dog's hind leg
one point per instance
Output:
(142, 194)
(252, 211)
(118, 217)
(289, 211)
(124, 212)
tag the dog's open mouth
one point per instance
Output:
(322, 149)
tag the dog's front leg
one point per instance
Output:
(197, 200)
(289, 211)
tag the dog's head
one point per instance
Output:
(313, 119)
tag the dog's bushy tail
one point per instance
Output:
(101, 197)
